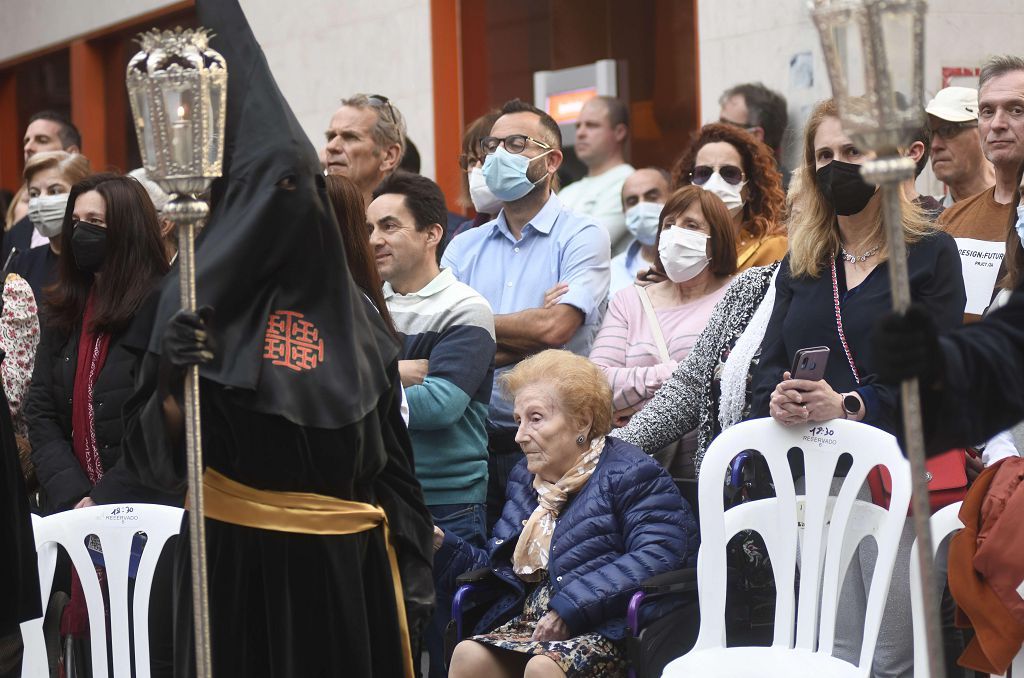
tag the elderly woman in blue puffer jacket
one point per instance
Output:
(586, 520)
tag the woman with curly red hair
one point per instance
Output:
(740, 170)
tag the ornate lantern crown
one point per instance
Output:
(874, 50)
(177, 87)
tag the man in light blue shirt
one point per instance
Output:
(534, 245)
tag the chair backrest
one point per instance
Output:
(116, 526)
(943, 523)
(827, 533)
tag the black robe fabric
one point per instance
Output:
(982, 391)
(19, 577)
(291, 605)
(303, 395)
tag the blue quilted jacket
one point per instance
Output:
(626, 524)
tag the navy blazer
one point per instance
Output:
(628, 523)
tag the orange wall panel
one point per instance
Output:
(10, 135)
(88, 100)
(447, 81)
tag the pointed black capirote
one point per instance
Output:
(295, 336)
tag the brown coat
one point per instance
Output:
(986, 565)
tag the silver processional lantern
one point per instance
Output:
(177, 87)
(874, 50)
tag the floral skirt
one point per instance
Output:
(590, 654)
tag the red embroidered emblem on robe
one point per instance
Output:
(293, 342)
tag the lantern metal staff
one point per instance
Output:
(177, 87)
(874, 50)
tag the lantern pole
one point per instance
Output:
(177, 87)
(881, 119)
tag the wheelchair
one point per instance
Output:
(651, 644)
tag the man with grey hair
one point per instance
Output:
(365, 141)
(601, 133)
(957, 158)
(986, 216)
(758, 110)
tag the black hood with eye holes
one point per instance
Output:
(294, 334)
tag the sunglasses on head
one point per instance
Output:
(381, 101)
(701, 174)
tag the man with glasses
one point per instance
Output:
(757, 109)
(957, 158)
(984, 218)
(534, 245)
(601, 134)
(365, 141)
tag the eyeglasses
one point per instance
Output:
(737, 125)
(380, 101)
(514, 143)
(702, 173)
(466, 161)
(952, 129)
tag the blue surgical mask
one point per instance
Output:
(643, 220)
(505, 174)
(1020, 223)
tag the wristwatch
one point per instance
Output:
(851, 405)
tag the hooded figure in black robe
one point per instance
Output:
(19, 577)
(301, 394)
(972, 378)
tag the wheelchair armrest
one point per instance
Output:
(475, 588)
(478, 576)
(677, 581)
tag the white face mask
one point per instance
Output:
(483, 200)
(643, 220)
(729, 194)
(683, 252)
(1020, 223)
(46, 212)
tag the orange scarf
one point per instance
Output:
(531, 555)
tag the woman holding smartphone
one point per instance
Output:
(834, 284)
(831, 289)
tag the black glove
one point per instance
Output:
(907, 345)
(186, 342)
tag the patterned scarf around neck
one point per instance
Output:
(530, 559)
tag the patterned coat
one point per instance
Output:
(689, 399)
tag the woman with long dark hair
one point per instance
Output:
(112, 257)
(350, 212)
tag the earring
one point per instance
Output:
(581, 440)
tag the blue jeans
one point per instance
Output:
(466, 521)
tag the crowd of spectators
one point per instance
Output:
(606, 331)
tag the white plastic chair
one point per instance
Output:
(944, 523)
(804, 631)
(115, 525)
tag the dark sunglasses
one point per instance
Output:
(514, 143)
(381, 101)
(952, 129)
(702, 173)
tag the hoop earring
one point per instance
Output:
(581, 440)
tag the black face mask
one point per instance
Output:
(843, 187)
(89, 246)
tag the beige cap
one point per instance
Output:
(954, 104)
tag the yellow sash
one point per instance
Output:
(232, 502)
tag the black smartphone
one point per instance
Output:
(810, 363)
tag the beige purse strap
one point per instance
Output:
(652, 319)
